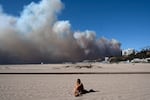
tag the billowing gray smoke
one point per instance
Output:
(38, 36)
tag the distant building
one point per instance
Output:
(127, 52)
(137, 60)
(106, 59)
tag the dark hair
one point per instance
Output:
(78, 81)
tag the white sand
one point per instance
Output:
(96, 67)
(60, 87)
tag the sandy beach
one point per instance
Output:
(60, 86)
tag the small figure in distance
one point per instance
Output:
(79, 89)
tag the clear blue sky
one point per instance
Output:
(127, 21)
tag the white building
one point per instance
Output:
(127, 52)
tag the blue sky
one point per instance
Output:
(127, 21)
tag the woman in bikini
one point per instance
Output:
(79, 88)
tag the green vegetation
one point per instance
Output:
(144, 53)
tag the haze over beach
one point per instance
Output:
(52, 31)
(46, 45)
(37, 35)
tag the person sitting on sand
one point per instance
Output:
(79, 88)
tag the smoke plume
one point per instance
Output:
(38, 36)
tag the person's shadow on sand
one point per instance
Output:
(79, 89)
(90, 91)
